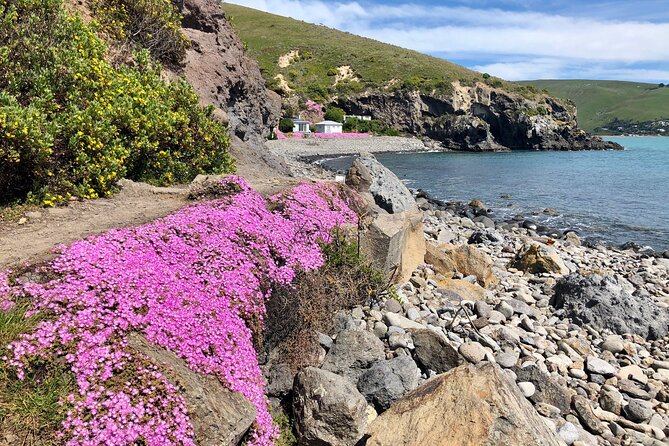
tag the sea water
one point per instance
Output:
(608, 196)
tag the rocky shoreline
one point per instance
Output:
(580, 330)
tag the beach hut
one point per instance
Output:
(301, 126)
(329, 127)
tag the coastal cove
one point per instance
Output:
(611, 197)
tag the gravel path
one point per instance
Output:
(310, 147)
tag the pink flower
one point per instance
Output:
(188, 283)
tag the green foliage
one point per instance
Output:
(322, 50)
(154, 25)
(286, 435)
(602, 102)
(286, 125)
(335, 114)
(373, 126)
(30, 409)
(72, 124)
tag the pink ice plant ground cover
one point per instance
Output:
(340, 135)
(188, 282)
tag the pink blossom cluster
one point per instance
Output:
(279, 134)
(340, 135)
(6, 302)
(315, 111)
(188, 283)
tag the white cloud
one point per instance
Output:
(493, 35)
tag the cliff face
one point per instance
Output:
(224, 76)
(479, 118)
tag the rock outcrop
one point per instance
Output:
(224, 76)
(392, 233)
(604, 302)
(329, 410)
(479, 118)
(219, 416)
(468, 406)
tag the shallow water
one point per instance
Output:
(610, 196)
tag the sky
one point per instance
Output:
(512, 39)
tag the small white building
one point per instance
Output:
(329, 127)
(301, 126)
(360, 117)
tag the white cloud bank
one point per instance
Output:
(549, 45)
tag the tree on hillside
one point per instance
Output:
(335, 114)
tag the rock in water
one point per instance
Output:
(218, 415)
(329, 410)
(540, 259)
(605, 304)
(468, 406)
(387, 381)
(389, 193)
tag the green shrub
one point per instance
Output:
(372, 126)
(334, 114)
(72, 124)
(286, 125)
(154, 25)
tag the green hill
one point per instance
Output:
(601, 103)
(323, 50)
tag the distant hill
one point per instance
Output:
(326, 54)
(613, 106)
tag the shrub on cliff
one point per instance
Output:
(151, 24)
(72, 124)
(335, 114)
(286, 125)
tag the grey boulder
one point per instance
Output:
(387, 381)
(328, 409)
(604, 303)
(352, 353)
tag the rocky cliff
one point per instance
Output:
(479, 118)
(223, 75)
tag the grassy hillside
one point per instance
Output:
(602, 102)
(322, 50)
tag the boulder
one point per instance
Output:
(547, 389)
(387, 381)
(462, 289)
(367, 175)
(394, 243)
(468, 406)
(219, 416)
(353, 352)
(433, 351)
(328, 409)
(465, 259)
(538, 259)
(604, 303)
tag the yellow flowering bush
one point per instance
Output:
(151, 24)
(71, 124)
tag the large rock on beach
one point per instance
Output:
(392, 235)
(389, 193)
(465, 259)
(219, 416)
(329, 410)
(395, 243)
(353, 352)
(434, 352)
(467, 406)
(603, 302)
(387, 381)
(538, 259)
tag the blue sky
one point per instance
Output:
(513, 39)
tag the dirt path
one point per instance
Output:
(135, 204)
